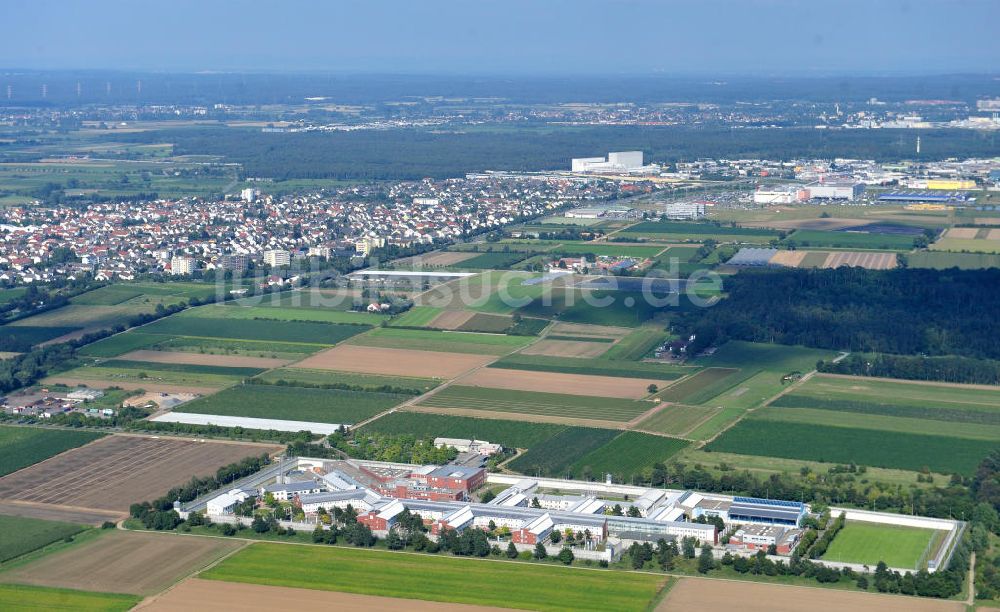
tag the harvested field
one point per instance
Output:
(993, 234)
(451, 319)
(395, 362)
(209, 595)
(49, 512)
(231, 361)
(71, 381)
(792, 259)
(592, 331)
(566, 348)
(553, 382)
(124, 562)
(962, 232)
(871, 261)
(710, 595)
(119, 470)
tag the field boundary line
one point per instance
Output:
(146, 601)
(926, 383)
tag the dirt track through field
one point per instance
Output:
(714, 595)
(232, 361)
(395, 362)
(552, 382)
(567, 348)
(124, 562)
(214, 595)
(116, 471)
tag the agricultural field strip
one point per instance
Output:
(26, 446)
(19, 535)
(69, 483)
(457, 396)
(879, 422)
(903, 407)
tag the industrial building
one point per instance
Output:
(617, 161)
(779, 194)
(684, 210)
(954, 197)
(848, 190)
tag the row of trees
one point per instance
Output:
(948, 368)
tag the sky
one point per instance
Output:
(753, 37)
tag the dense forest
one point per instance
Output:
(947, 368)
(416, 154)
(902, 312)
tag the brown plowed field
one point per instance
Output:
(66, 514)
(859, 259)
(232, 361)
(567, 348)
(451, 319)
(124, 562)
(590, 331)
(553, 382)
(395, 362)
(792, 259)
(116, 471)
(711, 595)
(962, 232)
(214, 595)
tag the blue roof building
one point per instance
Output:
(770, 511)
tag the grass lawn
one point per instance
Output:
(19, 535)
(866, 543)
(16, 597)
(295, 404)
(24, 446)
(447, 579)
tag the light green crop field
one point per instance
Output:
(278, 313)
(20, 535)
(119, 344)
(973, 245)
(636, 345)
(152, 375)
(777, 357)
(444, 341)
(298, 376)
(596, 367)
(902, 547)
(677, 420)
(17, 597)
(418, 316)
(530, 402)
(942, 260)
(703, 385)
(445, 579)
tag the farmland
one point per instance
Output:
(598, 367)
(295, 403)
(368, 382)
(490, 261)
(270, 313)
(17, 597)
(853, 445)
(120, 344)
(512, 434)
(677, 420)
(629, 453)
(555, 405)
(123, 562)
(447, 342)
(672, 230)
(30, 335)
(19, 535)
(117, 470)
(243, 329)
(24, 446)
(554, 382)
(622, 309)
(394, 361)
(139, 372)
(702, 386)
(867, 543)
(942, 260)
(562, 451)
(849, 240)
(401, 575)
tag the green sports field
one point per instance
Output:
(867, 543)
(21, 598)
(445, 579)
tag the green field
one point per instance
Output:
(252, 348)
(609, 249)
(20, 535)
(187, 368)
(701, 387)
(170, 292)
(530, 402)
(6, 295)
(446, 579)
(493, 324)
(242, 329)
(490, 261)
(418, 316)
(673, 230)
(512, 434)
(150, 372)
(636, 345)
(845, 445)
(444, 341)
(629, 453)
(677, 420)
(295, 403)
(301, 376)
(867, 543)
(18, 598)
(271, 313)
(776, 357)
(107, 296)
(24, 446)
(562, 451)
(943, 260)
(848, 240)
(119, 344)
(973, 245)
(31, 334)
(625, 308)
(596, 367)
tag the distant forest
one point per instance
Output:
(416, 154)
(901, 312)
